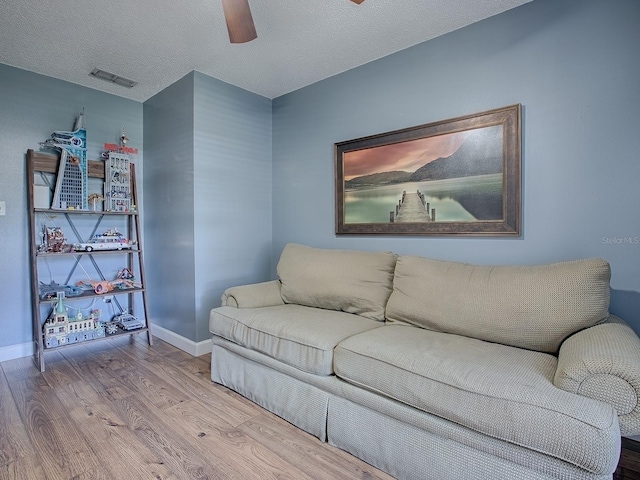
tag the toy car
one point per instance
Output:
(126, 321)
(110, 240)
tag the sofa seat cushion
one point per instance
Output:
(501, 391)
(303, 337)
(348, 280)
(533, 307)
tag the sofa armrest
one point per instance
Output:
(265, 294)
(603, 362)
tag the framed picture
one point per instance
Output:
(453, 177)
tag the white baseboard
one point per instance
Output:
(193, 348)
(196, 349)
(16, 351)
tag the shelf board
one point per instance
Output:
(93, 340)
(93, 252)
(91, 294)
(48, 163)
(51, 211)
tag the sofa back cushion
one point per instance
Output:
(351, 281)
(534, 307)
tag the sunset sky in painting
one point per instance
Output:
(406, 156)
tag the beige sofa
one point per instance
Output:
(438, 370)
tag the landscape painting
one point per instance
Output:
(454, 177)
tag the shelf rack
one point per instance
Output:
(47, 163)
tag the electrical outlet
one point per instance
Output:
(3, 208)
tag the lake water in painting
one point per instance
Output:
(464, 199)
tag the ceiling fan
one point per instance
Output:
(240, 22)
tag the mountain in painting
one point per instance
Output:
(480, 154)
(378, 179)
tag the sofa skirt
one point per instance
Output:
(400, 440)
(408, 452)
(303, 405)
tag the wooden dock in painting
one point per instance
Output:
(412, 208)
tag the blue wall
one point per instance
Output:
(572, 64)
(31, 107)
(232, 192)
(168, 216)
(208, 196)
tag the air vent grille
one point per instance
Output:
(113, 78)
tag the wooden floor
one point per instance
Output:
(629, 465)
(119, 409)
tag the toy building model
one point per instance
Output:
(117, 187)
(52, 240)
(60, 330)
(72, 179)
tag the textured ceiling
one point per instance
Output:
(157, 42)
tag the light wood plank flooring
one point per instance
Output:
(120, 409)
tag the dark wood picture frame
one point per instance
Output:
(460, 176)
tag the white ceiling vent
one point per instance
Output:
(113, 78)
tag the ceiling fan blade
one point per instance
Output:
(239, 21)
(357, 1)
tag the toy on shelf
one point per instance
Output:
(123, 281)
(117, 185)
(112, 239)
(122, 147)
(128, 322)
(59, 329)
(53, 240)
(122, 321)
(126, 274)
(50, 290)
(70, 192)
(93, 200)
